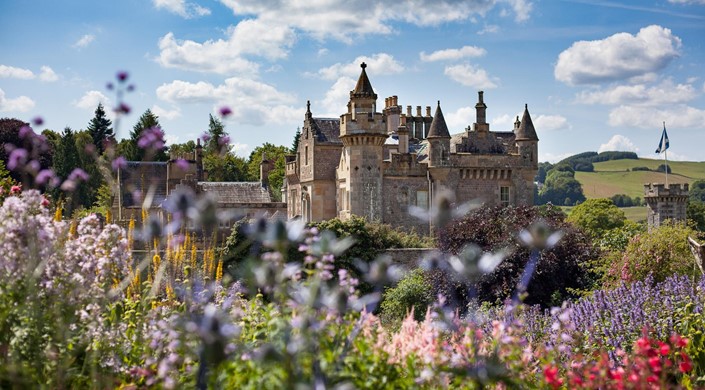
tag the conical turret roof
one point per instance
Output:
(363, 88)
(526, 129)
(439, 129)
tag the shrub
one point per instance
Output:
(661, 252)
(412, 292)
(635, 169)
(663, 167)
(559, 271)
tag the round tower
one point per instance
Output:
(526, 139)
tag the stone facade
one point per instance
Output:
(378, 164)
(665, 202)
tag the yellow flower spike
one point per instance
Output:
(145, 215)
(73, 228)
(130, 234)
(108, 217)
(219, 272)
(58, 213)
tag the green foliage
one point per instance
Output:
(276, 176)
(696, 191)
(622, 200)
(661, 252)
(561, 187)
(596, 216)
(216, 134)
(412, 292)
(560, 269)
(295, 144)
(227, 167)
(185, 149)
(544, 167)
(66, 160)
(664, 168)
(100, 129)
(696, 214)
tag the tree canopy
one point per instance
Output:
(596, 216)
(100, 129)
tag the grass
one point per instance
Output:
(615, 177)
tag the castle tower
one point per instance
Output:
(439, 140)
(362, 132)
(526, 139)
(665, 203)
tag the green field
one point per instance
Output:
(614, 177)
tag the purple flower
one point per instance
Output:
(119, 163)
(33, 166)
(122, 108)
(225, 111)
(181, 164)
(130, 88)
(151, 138)
(109, 86)
(122, 76)
(44, 176)
(38, 121)
(224, 140)
(25, 131)
(78, 174)
(206, 137)
(17, 158)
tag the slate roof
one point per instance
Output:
(140, 178)
(236, 192)
(327, 130)
(439, 129)
(363, 88)
(526, 128)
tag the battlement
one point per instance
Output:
(660, 189)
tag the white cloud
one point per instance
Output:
(551, 122)
(522, 9)
(336, 99)
(460, 119)
(84, 41)
(240, 149)
(165, 113)
(15, 73)
(182, 8)
(503, 122)
(18, 104)
(377, 64)
(617, 57)
(681, 116)
(169, 139)
(47, 74)
(251, 101)
(618, 143)
(343, 20)
(664, 93)
(488, 29)
(453, 54)
(471, 76)
(227, 56)
(90, 100)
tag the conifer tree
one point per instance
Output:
(216, 134)
(100, 129)
(147, 120)
(297, 137)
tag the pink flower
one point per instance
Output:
(15, 189)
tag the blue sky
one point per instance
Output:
(596, 75)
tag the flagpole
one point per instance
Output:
(665, 157)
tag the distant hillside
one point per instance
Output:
(619, 177)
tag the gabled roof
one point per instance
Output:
(439, 129)
(326, 130)
(236, 192)
(363, 88)
(138, 179)
(526, 129)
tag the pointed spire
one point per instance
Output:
(363, 88)
(308, 110)
(526, 129)
(439, 129)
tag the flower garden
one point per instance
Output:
(78, 310)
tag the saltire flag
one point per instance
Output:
(663, 145)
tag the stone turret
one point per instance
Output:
(481, 124)
(526, 139)
(665, 203)
(438, 139)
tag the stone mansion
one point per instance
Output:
(377, 164)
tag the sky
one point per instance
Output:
(596, 75)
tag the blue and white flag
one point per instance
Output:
(663, 145)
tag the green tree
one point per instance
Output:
(697, 191)
(295, 144)
(217, 137)
(276, 176)
(228, 167)
(67, 159)
(596, 216)
(100, 129)
(147, 120)
(696, 214)
(89, 162)
(186, 149)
